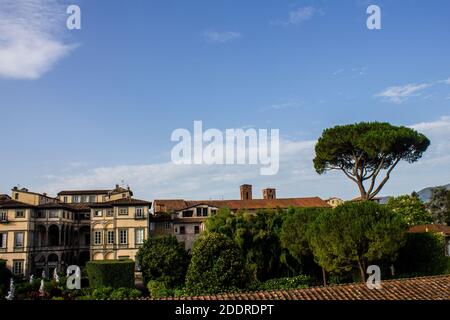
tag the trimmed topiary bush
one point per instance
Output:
(215, 267)
(163, 259)
(111, 273)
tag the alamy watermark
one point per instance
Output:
(73, 21)
(232, 147)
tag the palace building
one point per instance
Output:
(41, 233)
(185, 218)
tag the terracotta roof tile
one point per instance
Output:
(423, 288)
(170, 206)
(430, 228)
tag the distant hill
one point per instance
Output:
(425, 194)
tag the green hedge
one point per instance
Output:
(111, 273)
(297, 282)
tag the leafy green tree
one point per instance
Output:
(411, 208)
(257, 237)
(353, 235)
(361, 151)
(216, 266)
(294, 239)
(163, 259)
(422, 255)
(439, 205)
(293, 232)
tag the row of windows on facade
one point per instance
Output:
(123, 236)
(98, 238)
(82, 199)
(87, 198)
(18, 239)
(51, 214)
(178, 230)
(200, 212)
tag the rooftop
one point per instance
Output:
(254, 204)
(439, 228)
(423, 288)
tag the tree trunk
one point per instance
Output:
(324, 276)
(362, 270)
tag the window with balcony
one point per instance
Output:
(139, 233)
(123, 236)
(97, 238)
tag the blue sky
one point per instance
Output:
(92, 107)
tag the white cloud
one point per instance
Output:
(299, 15)
(221, 37)
(438, 154)
(291, 104)
(30, 43)
(296, 176)
(399, 94)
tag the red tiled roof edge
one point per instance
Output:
(420, 288)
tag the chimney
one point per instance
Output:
(269, 193)
(246, 192)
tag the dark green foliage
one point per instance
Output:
(300, 281)
(355, 235)
(422, 255)
(111, 273)
(163, 259)
(216, 265)
(109, 293)
(363, 150)
(159, 289)
(439, 205)
(3, 274)
(257, 237)
(411, 208)
(294, 239)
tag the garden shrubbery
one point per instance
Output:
(423, 254)
(111, 273)
(297, 282)
(216, 266)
